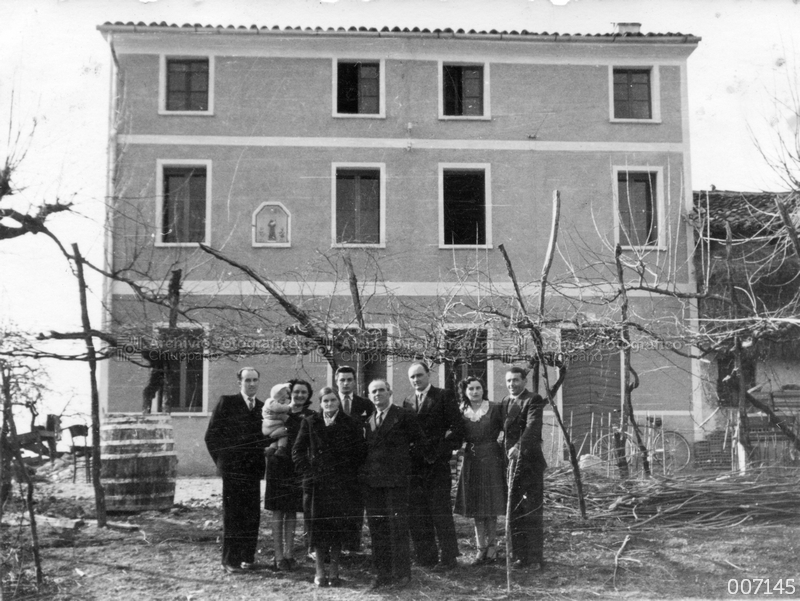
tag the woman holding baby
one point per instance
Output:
(284, 493)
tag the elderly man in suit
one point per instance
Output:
(236, 444)
(431, 508)
(392, 433)
(359, 408)
(526, 463)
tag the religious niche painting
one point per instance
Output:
(272, 224)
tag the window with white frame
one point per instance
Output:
(358, 204)
(464, 90)
(465, 205)
(635, 94)
(638, 207)
(187, 85)
(358, 88)
(183, 201)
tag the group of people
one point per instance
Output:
(390, 461)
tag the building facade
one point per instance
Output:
(412, 155)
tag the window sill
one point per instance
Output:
(190, 413)
(465, 246)
(359, 116)
(357, 245)
(179, 244)
(465, 117)
(644, 121)
(186, 113)
(272, 244)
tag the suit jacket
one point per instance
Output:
(523, 427)
(441, 421)
(361, 408)
(234, 439)
(389, 448)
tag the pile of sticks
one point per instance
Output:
(707, 501)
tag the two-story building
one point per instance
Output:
(413, 154)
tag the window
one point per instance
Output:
(358, 205)
(466, 354)
(637, 208)
(635, 94)
(182, 203)
(366, 352)
(465, 214)
(462, 90)
(358, 88)
(183, 362)
(187, 85)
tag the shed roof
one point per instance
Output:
(749, 213)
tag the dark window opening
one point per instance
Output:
(358, 206)
(464, 207)
(632, 94)
(638, 212)
(358, 88)
(187, 84)
(463, 90)
(184, 206)
(184, 375)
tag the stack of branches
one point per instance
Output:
(715, 502)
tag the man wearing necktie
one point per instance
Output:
(393, 434)
(523, 413)
(360, 409)
(236, 444)
(430, 503)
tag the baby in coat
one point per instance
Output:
(275, 413)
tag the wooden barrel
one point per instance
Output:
(138, 463)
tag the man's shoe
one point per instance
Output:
(320, 582)
(335, 582)
(402, 582)
(253, 566)
(445, 566)
(284, 565)
(233, 569)
(521, 564)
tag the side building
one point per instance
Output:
(394, 162)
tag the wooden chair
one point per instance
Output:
(84, 450)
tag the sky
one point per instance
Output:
(54, 101)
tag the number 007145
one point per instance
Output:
(761, 586)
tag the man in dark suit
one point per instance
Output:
(393, 433)
(526, 463)
(236, 444)
(360, 409)
(431, 508)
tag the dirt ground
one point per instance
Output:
(175, 555)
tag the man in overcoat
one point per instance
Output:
(431, 507)
(392, 433)
(526, 464)
(360, 409)
(236, 444)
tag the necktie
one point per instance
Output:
(347, 404)
(419, 401)
(250, 403)
(379, 419)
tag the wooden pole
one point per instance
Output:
(99, 494)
